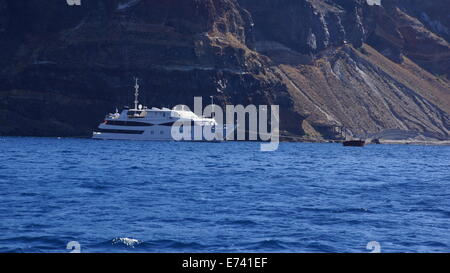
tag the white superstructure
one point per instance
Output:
(142, 123)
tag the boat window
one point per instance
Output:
(117, 131)
(128, 123)
(137, 114)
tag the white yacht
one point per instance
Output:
(142, 123)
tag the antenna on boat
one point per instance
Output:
(136, 93)
(212, 104)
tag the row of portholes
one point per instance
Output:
(160, 132)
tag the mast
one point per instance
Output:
(136, 94)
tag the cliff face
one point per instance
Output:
(405, 29)
(326, 63)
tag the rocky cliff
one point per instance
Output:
(373, 69)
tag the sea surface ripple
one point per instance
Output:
(126, 196)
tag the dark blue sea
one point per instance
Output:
(125, 196)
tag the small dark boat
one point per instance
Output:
(376, 141)
(354, 143)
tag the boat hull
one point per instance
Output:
(354, 143)
(161, 133)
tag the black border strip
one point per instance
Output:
(276, 262)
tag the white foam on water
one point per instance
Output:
(126, 241)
